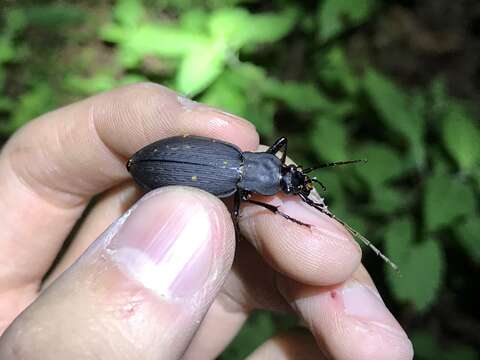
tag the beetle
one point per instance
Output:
(222, 169)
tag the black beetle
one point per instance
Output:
(223, 169)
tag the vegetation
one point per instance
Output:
(304, 71)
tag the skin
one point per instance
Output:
(154, 286)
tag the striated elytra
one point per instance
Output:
(208, 164)
(223, 169)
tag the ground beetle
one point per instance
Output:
(223, 169)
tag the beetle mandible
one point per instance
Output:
(223, 169)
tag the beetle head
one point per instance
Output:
(294, 181)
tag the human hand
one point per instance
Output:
(159, 282)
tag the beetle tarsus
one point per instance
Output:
(277, 145)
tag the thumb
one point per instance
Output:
(140, 291)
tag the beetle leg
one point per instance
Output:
(275, 210)
(246, 195)
(277, 145)
(318, 206)
(322, 208)
(235, 211)
(236, 204)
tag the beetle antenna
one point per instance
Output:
(332, 164)
(314, 179)
(352, 231)
(368, 243)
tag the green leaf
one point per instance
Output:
(237, 27)
(268, 27)
(462, 138)
(129, 12)
(439, 98)
(446, 200)
(15, 21)
(6, 104)
(357, 222)
(194, 20)
(425, 345)
(33, 103)
(7, 51)
(395, 110)
(335, 193)
(383, 164)
(469, 235)
(335, 71)
(422, 274)
(399, 240)
(335, 16)
(55, 15)
(131, 79)
(113, 33)
(261, 114)
(421, 266)
(226, 23)
(236, 91)
(200, 68)
(329, 139)
(245, 76)
(387, 200)
(223, 94)
(87, 86)
(298, 96)
(161, 40)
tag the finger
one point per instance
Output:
(140, 291)
(322, 254)
(224, 318)
(109, 207)
(51, 168)
(350, 320)
(222, 322)
(250, 285)
(294, 345)
(244, 291)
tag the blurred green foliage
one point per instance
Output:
(417, 197)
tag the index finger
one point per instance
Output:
(51, 168)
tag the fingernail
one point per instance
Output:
(166, 243)
(219, 117)
(365, 304)
(235, 118)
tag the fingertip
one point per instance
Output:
(175, 241)
(155, 271)
(351, 320)
(163, 113)
(321, 254)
